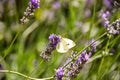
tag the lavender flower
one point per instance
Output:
(74, 64)
(54, 40)
(93, 46)
(107, 3)
(90, 2)
(87, 13)
(112, 3)
(73, 68)
(33, 4)
(105, 16)
(106, 23)
(56, 5)
(84, 57)
(59, 73)
(114, 27)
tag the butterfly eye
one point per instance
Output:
(68, 44)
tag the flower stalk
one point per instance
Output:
(84, 49)
(25, 76)
(33, 4)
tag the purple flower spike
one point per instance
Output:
(59, 73)
(29, 12)
(114, 27)
(51, 46)
(105, 16)
(35, 3)
(54, 39)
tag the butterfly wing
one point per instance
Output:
(69, 43)
(65, 45)
(61, 47)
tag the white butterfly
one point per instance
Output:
(64, 45)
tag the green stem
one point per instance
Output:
(25, 34)
(20, 74)
(100, 67)
(102, 60)
(36, 68)
(84, 49)
(93, 18)
(6, 52)
(94, 58)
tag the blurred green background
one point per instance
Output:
(79, 20)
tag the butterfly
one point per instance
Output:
(65, 45)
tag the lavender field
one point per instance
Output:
(59, 39)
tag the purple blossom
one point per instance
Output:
(54, 39)
(51, 46)
(35, 3)
(71, 73)
(94, 44)
(67, 61)
(78, 61)
(115, 32)
(84, 56)
(59, 73)
(75, 66)
(105, 14)
(107, 3)
(87, 13)
(56, 5)
(29, 12)
(35, 63)
(106, 23)
(90, 2)
(92, 47)
(114, 27)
